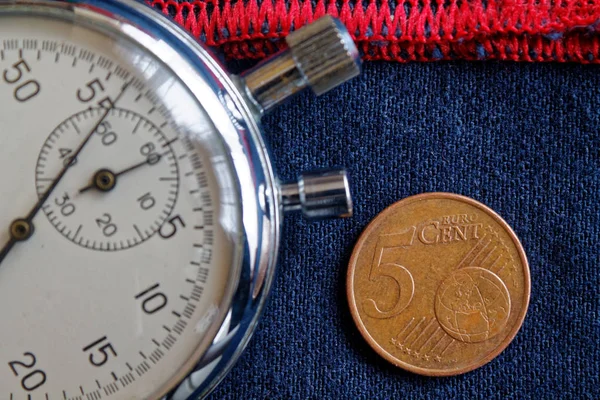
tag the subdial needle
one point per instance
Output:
(105, 180)
(22, 229)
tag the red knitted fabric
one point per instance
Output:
(405, 30)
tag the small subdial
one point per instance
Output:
(119, 190)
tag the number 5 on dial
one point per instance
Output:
(398, 273)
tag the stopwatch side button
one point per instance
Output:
(319, 195)
(321, 55)
(325, 54)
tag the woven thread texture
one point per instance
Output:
(405, 30)
(521, 138)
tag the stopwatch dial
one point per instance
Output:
(124, 190)
(135, 221)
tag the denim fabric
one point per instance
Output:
(523, 139)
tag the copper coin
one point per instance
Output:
(438, 284)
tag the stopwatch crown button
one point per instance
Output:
(321, 56)
(325, 54)
(319, 195)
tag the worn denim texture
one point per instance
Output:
(523, 139)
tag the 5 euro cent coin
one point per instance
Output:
(438, 284)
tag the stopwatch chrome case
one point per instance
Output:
(320, 56)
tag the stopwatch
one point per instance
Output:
(140, 213)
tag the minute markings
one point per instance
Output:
(147, 211)
(70, 232)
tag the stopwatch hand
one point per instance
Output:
(22, 229)
(105, 180)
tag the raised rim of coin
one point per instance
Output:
(354, 310)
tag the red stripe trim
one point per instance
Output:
(409, 30)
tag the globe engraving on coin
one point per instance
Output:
(472, 305)
(438, 284)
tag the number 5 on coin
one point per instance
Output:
(398, 273)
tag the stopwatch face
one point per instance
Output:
(116, 291)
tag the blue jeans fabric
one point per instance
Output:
(523, 139)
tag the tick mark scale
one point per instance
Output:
(109, 120)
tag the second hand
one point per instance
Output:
(22, 228)
(105, 180)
